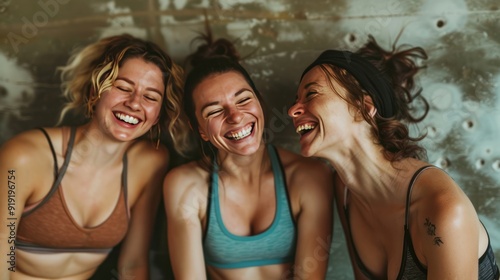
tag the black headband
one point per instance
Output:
(369, 77)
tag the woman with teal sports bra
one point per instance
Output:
(244, 210)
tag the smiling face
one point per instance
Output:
(320, 115)
(228, 113)
(132, 105)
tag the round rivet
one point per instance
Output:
(440, 23)
(442, 162)
(496, 165)
(350, 38)
(480, 163)
(468, 124)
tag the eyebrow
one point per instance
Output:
(310, 84)
(147, 88)
(306, 86)
(217, 102)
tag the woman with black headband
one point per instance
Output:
(403, 218)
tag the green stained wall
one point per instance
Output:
(278, 38)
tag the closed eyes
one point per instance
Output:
(244, 101)
(213, 113)
(124, 89)
(311, 93)
(151, 98)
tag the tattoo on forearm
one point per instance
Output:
(431, 230)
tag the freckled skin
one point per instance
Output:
(92, 182)
(226, 104)
(229, 112)
(445, 230)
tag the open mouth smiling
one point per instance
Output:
(127, 118)
(305, 128)
(240, 134)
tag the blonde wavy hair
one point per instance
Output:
(93, 70)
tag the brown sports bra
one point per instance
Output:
(49, 227)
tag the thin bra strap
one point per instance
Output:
(214, 179)
(124, 179)
(410, 188)
(280, 170)
(56, 164)
(346, 194)
(275, 165)
(60, 173)
(67, 158)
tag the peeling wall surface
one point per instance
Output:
(278, 38)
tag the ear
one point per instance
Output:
(200, 131)
(202, 134)
(370, 106)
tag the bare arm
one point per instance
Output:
(448, 229)
(314, 222)
(134, 254)
(16, 172)
(184, 230)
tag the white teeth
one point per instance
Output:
(304, 127)
(127, 118)
(242, 133)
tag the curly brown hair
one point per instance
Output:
(398, 66)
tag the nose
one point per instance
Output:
(234, 115)
(296, 110)
(133, 101)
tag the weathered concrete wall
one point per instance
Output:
(279, 38)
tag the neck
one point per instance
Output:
(365, 171)
(248, 168)
(92, 147)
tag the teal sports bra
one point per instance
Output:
(275, 245)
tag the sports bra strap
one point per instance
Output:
(410, 188)
(52, 150)
(60, 173)
(66, 159)
(124, 179)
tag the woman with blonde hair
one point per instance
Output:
(79, 191)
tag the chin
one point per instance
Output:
(312, 149)
(306, 148)
(249, 150)
(125, 137)
(306, 151)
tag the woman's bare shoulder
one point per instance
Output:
(30, 146)
(187, 184)
(438, 198)
(146, 153)
(307, 177)
(434, 184)
(190, 173)
(297, 165)
(29, 155)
